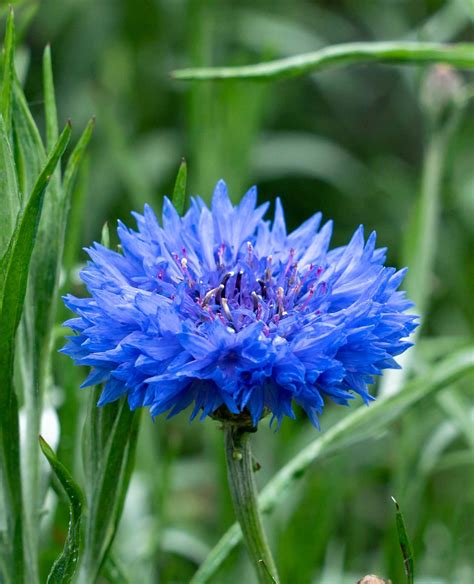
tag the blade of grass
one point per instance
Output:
(29, 152)
(110, 436)
(10, 197)
(421, 239)
(50, 108)
(35, 328)
(179, 191)
(405, 544)
(64, 567)
(10, 202)
(361, 424)
(458, 55)
(14, 268)
(8, 71)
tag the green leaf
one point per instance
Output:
(363, 423)
(8, 71)
(29, 153)
(405, 545)
(75, 160)
(179, 191)
(50, 109)
(109, 441)
(48, 254)
(64, 567)
(10, 202)
(14, 268)
(458, 55)
(15, 264)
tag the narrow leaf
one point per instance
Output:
(64, 567)
(30, 155)
(76, 158)
(13, 280)
(458, 55)
(110, 437)
(9, 196)
(50, 109)
(405, 544)
(48, 254)
(361, 424)
(14, 268)
(179, 192)
(8, 71)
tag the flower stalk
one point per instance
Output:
(240, 474)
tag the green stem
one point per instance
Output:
(244, 497)
(457, 55)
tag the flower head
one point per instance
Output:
(225, 311)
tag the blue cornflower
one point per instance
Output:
(226, 311)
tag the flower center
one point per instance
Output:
(260, 290)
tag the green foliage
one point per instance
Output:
(109, 441)
(30, 180)
(64, 568)
(364, 144)
(397, 52)
(8, 66)
(179, 191)
(405, 544)
(13, 280)
(360, 425)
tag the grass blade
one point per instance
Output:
(110, 436)
(76, 158)
(458, 55)
(50, 109)
(8, 71)
(30, 155)
(10, 202)
(179, 191)
(357, 426)
(405, 545)
(64, 567)
(14, 268)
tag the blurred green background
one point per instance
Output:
(351, 143)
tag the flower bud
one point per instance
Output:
(371, 579)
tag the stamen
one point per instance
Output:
(263, 287)
(308, 298)
(268, 271)
(220, 289)
(255, 301)
(238, 281)
(225, 279)
(294, 273)
(184, 269)
(227, 312)
(289, 263)
(220, 253)
(210, 294)
(281, 308)
(249, 252)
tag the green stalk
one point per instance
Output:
(244, 497)
(457, 55)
